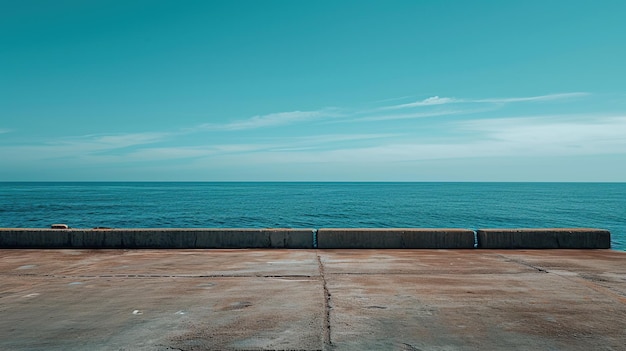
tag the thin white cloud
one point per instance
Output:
(331, 138)
(388, 117)
(277, 144)
(545, 136)
(180, 152)
(436, 100)
(548, 97)
(272, 119)
(91, 143)
(4, 131)
(528, 136)
(83, 146)
(123, 140)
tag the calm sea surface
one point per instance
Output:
(316, 205)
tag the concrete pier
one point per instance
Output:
(256, 299)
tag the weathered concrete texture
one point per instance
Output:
(476, 300)
(173, 238)
(549, 238)
(312, 299)
(160, 300)
(394, 238)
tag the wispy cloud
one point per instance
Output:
(273, 144)
(330, 138)
(436, 100)
(388, 116)
(544, 135)
(120, 140)
(357, 143)
(186, 152)
(549, 97)
(4, 131)
(99, 143)
(272, 119)
(534, 136)
(82, 146)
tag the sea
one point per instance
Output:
(315, 205)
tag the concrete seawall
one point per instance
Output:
(550, 238)
(394, 238)
(287, 238)
(157, 238)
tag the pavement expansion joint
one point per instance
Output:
(327, 307)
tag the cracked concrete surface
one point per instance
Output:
(312, 299)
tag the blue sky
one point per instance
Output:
(313, 90)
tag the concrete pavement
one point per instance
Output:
(260, 299)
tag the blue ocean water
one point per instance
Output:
(316, 205)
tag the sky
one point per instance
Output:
(312, 90)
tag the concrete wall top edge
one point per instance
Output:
(508, 230)
(396, 229)
(164, 229)
(541, 230)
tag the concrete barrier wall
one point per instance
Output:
(325, 238)
(549, 238)
(157, 238)
(394, 238)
